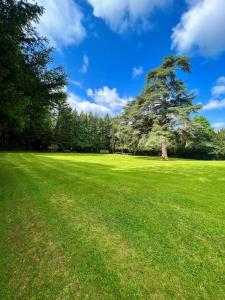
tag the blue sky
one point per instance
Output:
(108, 46)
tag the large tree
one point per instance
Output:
(29, 89)
(163, 111)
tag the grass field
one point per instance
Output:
(82, 226)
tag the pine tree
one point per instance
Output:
(163, 110)
(29, 89)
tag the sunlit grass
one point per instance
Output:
(111, 227)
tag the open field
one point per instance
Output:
(82, 226)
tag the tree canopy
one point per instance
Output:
(29, 89)
(162, 113)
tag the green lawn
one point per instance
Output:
(82, 226)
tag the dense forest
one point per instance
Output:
(35, 115)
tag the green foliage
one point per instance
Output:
(17, 39)
(128, 138)
(64, 131)
(157, 136)
(81, 132)
(114, 131)
(162, 112)
(29, 90)
(219, 144)
(201, 144)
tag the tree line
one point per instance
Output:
(34, 114)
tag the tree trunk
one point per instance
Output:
(164, 151)
(114, 147)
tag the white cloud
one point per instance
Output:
(120, 15)
(218, 90)
(61, 22)
(202, 28)
(77, 83)
(221, 80)
(85, 65)
(109, 98)
(218, 125)
(137, 71)
(214, 104)
(101, 101)
(84, 105)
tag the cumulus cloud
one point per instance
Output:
(61, 22)
(84, 105)
(137, 71)
(201, 28)
(120, 15)
(85, 65)
(109, 98)
(218, 90)
(214, 104)
(101, 101)
(218, 93)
